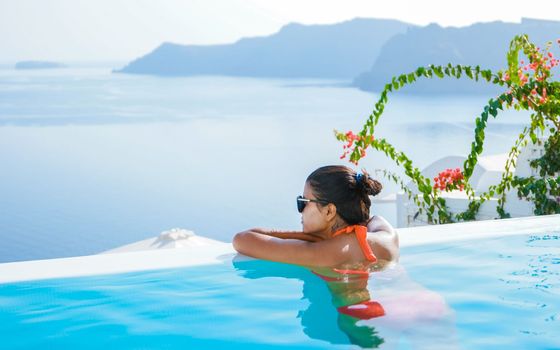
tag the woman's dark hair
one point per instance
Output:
(346, 189)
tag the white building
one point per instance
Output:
(488, 171)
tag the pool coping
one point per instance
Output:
(216, 252)
(473, 230)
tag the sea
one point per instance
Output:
(91, 160)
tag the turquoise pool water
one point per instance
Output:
(497, 293)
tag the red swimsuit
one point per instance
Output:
(365, 309)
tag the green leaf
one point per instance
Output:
(411, 78)
(438, 71)
(486, 74)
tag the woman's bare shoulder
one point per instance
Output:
(383, 239)
(379, 223)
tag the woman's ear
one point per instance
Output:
(330, 212)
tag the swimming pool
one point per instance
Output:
(493, 293)
(504, 291)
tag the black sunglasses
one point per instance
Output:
(302, 202)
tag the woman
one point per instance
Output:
(336, 230)
(342, 246)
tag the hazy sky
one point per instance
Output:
(121, 30)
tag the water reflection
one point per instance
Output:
(384, 307)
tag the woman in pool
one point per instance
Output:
(342, 245)
(337, 231)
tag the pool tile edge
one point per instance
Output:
(114, 263)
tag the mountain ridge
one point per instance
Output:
(296, 50)
(366, 52)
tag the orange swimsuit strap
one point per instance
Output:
(361, 236)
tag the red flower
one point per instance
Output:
(449, 179)
(350, 146)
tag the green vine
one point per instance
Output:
(525, 92)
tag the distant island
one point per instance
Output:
(38, 65)
(365, 52)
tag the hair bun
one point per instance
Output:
(371, 186)
(375, 187)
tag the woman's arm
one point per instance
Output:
(309, 237)
(330, 252)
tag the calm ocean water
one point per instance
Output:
(92, 160)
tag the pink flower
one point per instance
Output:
(449, 178)
(351, 139)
